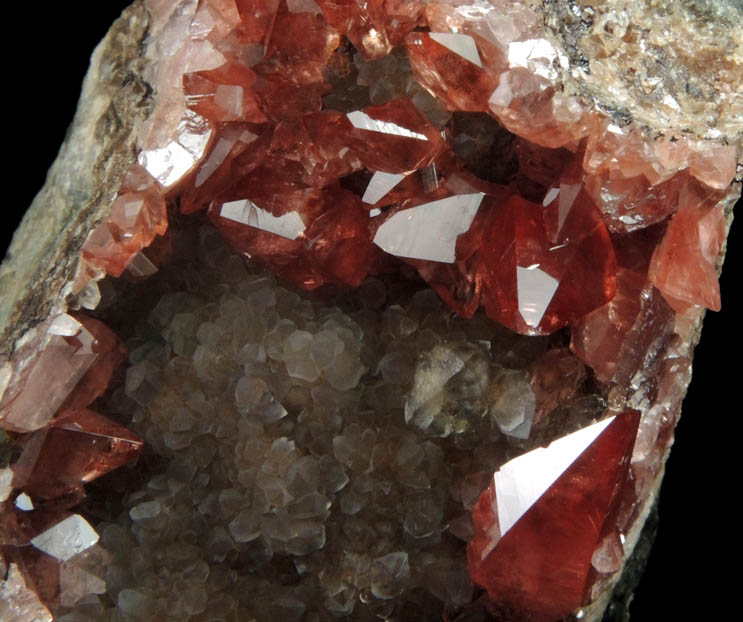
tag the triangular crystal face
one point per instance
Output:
(462, 45)
(522, 481)
(78, 447)
(535, 291)
(379, 185)
(393, 137)
(532, 552)
(362, 121)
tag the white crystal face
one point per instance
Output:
(170, 163)
(219, 154)
(566, 195)
(23, 502)
(502, 95)
(520, 482)
(551, 195)
(379, 185)
(429, 231)
(537, 55)
(289, 226)
(141, 266)
(65, 326)
(229, 98)
(363, 121)
(216, 157)
(167, 164)
(6, 483)
(535, 291)
(462, 45)
(67, 538)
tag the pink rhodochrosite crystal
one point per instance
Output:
(683, 264)
(409, 291)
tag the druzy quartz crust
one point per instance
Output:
(404, 310)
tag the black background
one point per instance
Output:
(48, 46)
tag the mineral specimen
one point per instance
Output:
(438, 372)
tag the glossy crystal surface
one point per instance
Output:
(476, 396)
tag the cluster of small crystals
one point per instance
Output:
(51, 554)
(316, 462)
(320, 154)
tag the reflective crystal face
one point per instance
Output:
(429, 231)
(289, 226)
(68, 538)
(539, 522)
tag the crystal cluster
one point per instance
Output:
(329, 154)
(314, 458)
(482, 445)
(53, 557)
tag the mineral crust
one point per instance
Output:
(438, 372)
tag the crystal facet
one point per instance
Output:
(540, 520)
(77, 447)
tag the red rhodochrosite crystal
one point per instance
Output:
(136, 218)
(393, 137)
(300, 43)
(260, 129)
(77, 447)
(533, 555)
(363, 24)
(110, 354)
(449, 66)
(236, 140)
(376, 26)
(527, 105)
(544, 267)
(322, 240)
(61, 560)
(616, 338)
(224, 94)
(632, 203)
(555, 377)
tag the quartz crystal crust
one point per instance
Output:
(437, 375)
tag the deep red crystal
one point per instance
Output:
(539, 569)
(77, 447)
